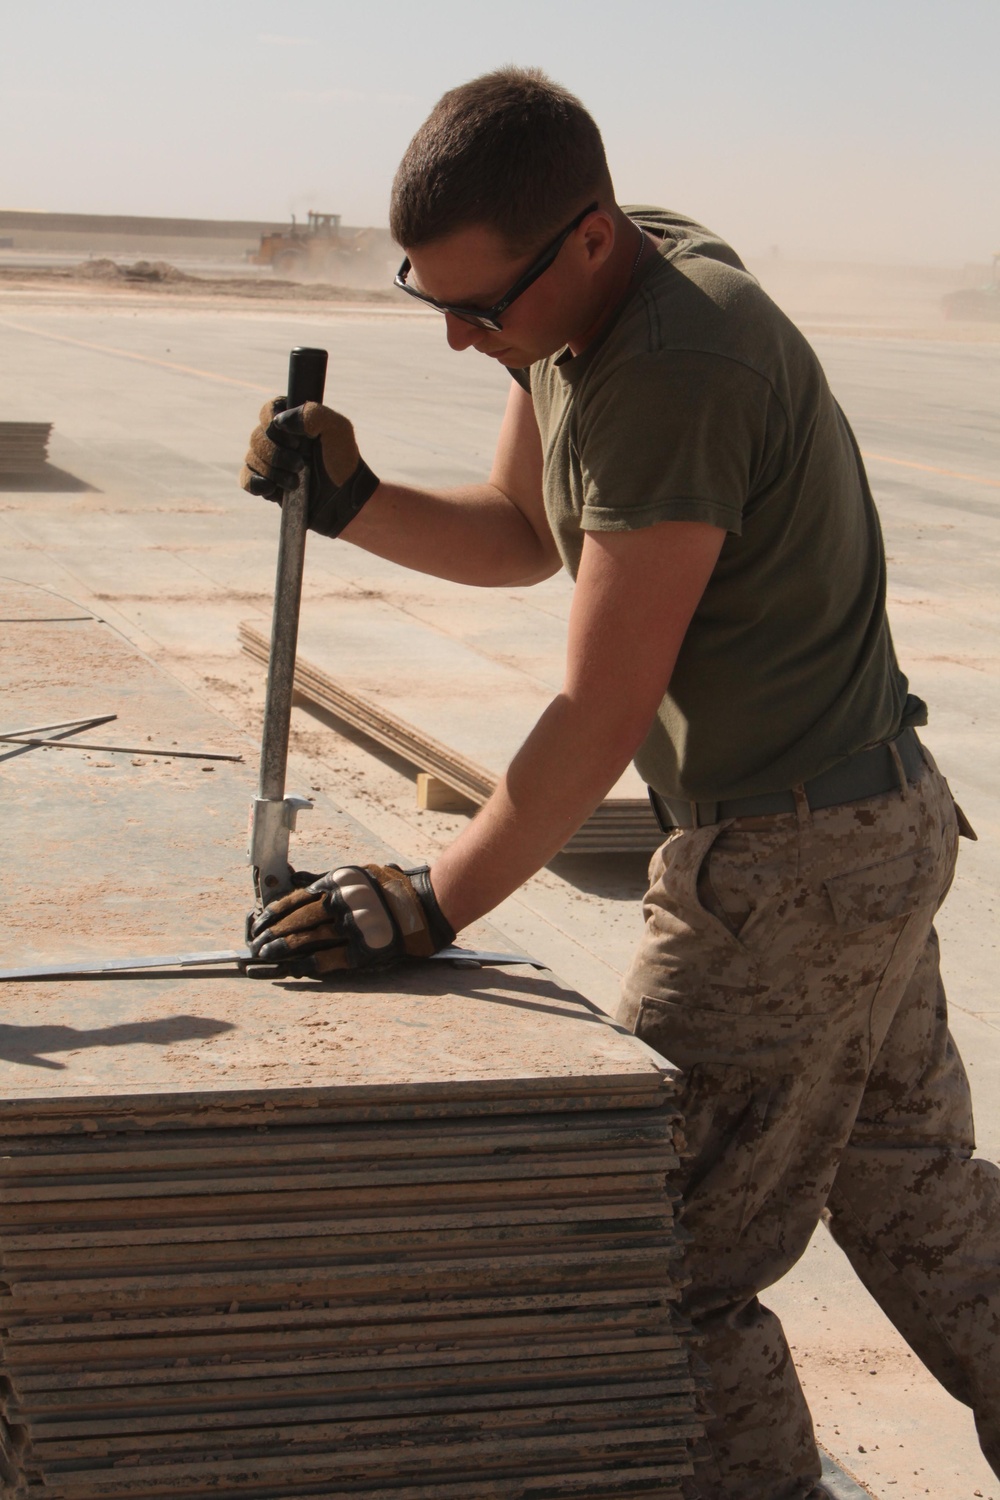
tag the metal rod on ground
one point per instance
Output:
(24, 746)
(272, 814)
(22, 739)
(77, 968)
(91, 723)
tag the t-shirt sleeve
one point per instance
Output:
(521, 377)
(674, 436)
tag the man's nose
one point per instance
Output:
(461, 335)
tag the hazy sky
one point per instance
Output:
(860, 129)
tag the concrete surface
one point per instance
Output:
(141, 520)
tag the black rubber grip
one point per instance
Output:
(306, 376)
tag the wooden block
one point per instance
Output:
(435, 795)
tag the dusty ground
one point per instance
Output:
(152, 392)
(167, 280)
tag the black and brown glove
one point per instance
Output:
(313, 437)
(356, 917)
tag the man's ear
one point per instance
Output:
(598, 238)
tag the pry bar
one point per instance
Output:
(272, 814)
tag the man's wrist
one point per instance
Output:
(441, 931)
(339, 507)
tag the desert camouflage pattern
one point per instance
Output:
(789, 970)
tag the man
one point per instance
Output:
(671, 440)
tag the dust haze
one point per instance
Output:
(323, 260)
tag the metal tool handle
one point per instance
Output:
(306, 382)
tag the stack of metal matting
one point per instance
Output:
(404, 1235)
(24, 446)
(432, 1297)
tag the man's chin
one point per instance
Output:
(512, 359)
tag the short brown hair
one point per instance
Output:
(511, 150)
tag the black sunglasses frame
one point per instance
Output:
(489, 317)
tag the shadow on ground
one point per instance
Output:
(358, 737)
(30, 1044)
(615, 877)
(46, 481)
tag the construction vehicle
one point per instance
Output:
(319, 250)
(980, 302)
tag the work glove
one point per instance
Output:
(356, 917)
(315, 438)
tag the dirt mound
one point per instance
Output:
(98, 270)
(141, 270)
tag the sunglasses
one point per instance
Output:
(489, 317)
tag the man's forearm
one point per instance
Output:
(472, 535)
(558, 777)
(635, 595)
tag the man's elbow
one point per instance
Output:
(525, 579)
(519, 567)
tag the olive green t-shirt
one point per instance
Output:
(700, 401)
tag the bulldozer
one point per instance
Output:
(319, 250)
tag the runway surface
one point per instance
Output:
(141, 518)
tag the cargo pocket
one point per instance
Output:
(764, 1046)
(756, 1092)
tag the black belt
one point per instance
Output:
(866, 774)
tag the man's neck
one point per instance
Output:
(632, 246)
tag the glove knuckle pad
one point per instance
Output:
(362, 903)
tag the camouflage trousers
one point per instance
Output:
(789, 971)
